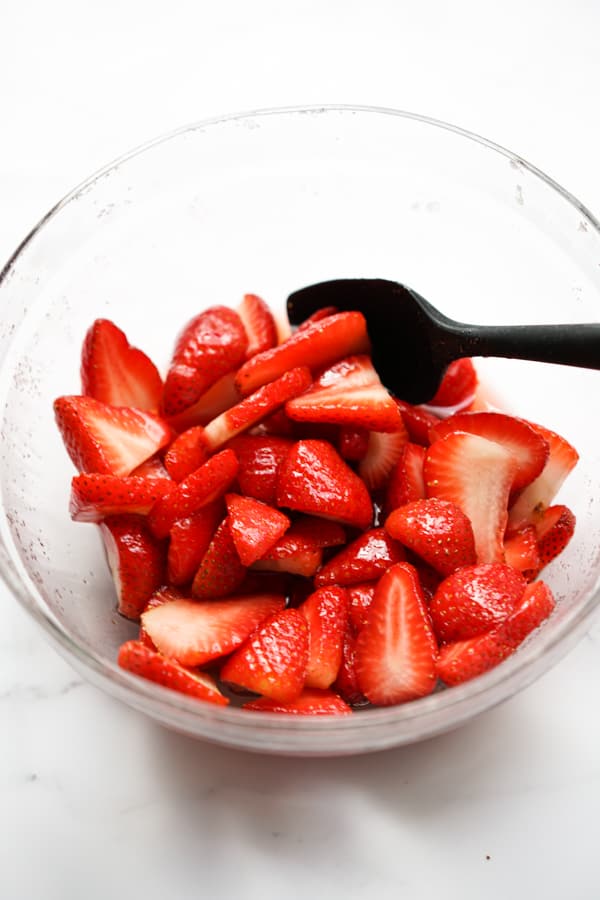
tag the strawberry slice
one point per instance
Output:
(221, 396)
(311, 702)
(361, 597)
(203, 486)
(94, 497)
(317, 346)
(255, 527)
(276, 424)
(165, 594)
(261, 403)
(259, 323)
(304, 563)
(407, 481)
(319, 314)
(418, 422)
(116, 373)
(187, 453)
(353, 443)
(348, 393)
(107, 439)
(346, 683)
(260, 457)
(461, 661)
(211, 345)
(458, 386)
(436, 530)
(554, 530)
(194, 633)
(274, 660)
(314, 479)
(137, 561)
(476, 474)
(152, 468)
(300, 550)
(326, 613)
(189, 540)
(522, 553)
(383, 453)
(364, 559)
(139, 659)
(474, 600)
(396, 649)
(221, 571)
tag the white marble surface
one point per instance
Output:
(97, 801)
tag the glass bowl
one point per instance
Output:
(268, 202)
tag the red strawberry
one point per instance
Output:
(260, 457)
(365, 559)
(361, 597)
(301, 562)
(94, 497)
(319, 314)
(458, 386)
(300, 550)
(554, 531)
(348, 393)
(418, 422)
(187, 453)
(190, 539)
(396, 649)
(326, 612)
(165, 594)
(136, 560)
(475, 599)
(346, 683)
(315, 479)
(522, 553)
(152, 468)
(353, 443)
(116, 373)
(255, 527)
(194, 633)
(221, 572)
(436, 530)
(107, 439)
(407, 481)
(311, 702)
(221, 396)
(476, 475)
(461, 661)
(259, 323)
(261, 403)
(277, 424)
(136, 657)
(383, 454)
(211, 345)
(273, 661)
(317, 346)
(203, 486)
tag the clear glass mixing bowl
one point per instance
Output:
(265, 203)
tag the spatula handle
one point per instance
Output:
(568, 345)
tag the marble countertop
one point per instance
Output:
(97, 801)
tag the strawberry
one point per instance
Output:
(326, 613)
(255, 527)
(116, 373)
(396, 649)
(317, 346)
(383, 454)
(364, 559)
(94, 497)
(554, 530)
(152, 468)
(436, 530)
(260, 457)
(204, 485)
(164, 594)
(311, 702)
(528, 446)
(136, 560)
(187, 453)
(348, 393)
(261, 403)
(319, 314)
(221, 572)
(522, 553)
(136, 657)
(474, 600)
(273, 661)
(221, 396)
(463, 660)
(346, 683)
(276, 424)
(361, 597)
(301, 562)
(353, 443)
(476, 474)
(189, 540)
(107, 439)
(300, 550)
(211, 345)
(259, 324)
(407, 481)
(458, 386)
(418, 422)
(314, 479)
(195, 633)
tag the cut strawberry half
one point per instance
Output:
(361, 597)
(300, 550)
(94, 497)
(458, 386)
(522, 553)
(418, 422)
(364, 559)
(221, 396)
(187, 453)
(260, 457)
(136, 657)
(137, 561)
(107, 439)
(221, 571)
(353, 443)
(554, 530)
(304, 563)
(436, 530)
(346, 683)
(383, 454)
(326, 613)
(255, 527)
(164, 594)
(407, 481)
(396, 649)
(259, 323)
(319, 314)
(311, 702)
(189, 540)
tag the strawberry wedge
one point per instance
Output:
(311, 702)
(94, 497)
(136, 559)
(259, 324)
(141, 660)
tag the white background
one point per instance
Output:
(96, 801)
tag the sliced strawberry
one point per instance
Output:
(259, 323)
(277, 424)
(436, 530)
(461, 661)
(190, 539)
(314, 479)
(319, 314)
(260, 457)
(284, 329)
(522, 553)
(476, 474)
(474, 600)
(194, 633)
(346, 683)
(396, 649)
(221, 396)
(364, 559)
(273, 661)
(164, 594)
(255, 527)
(139, 659)
(187, 453)
(302, 562)
(152, 468)
(255, 407)
(383, 454)
(319, 345)
(116, 373)
(361, 597)
(353, 443)
(107, 439)
(458, 386)
(311, 702)
(300, 550)
(94, 497)
(326, 613)
(203, 486)
(136, 560)
(221, 571)
(418, 422)
(554, 530)
(407, 481)
(211, 345)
